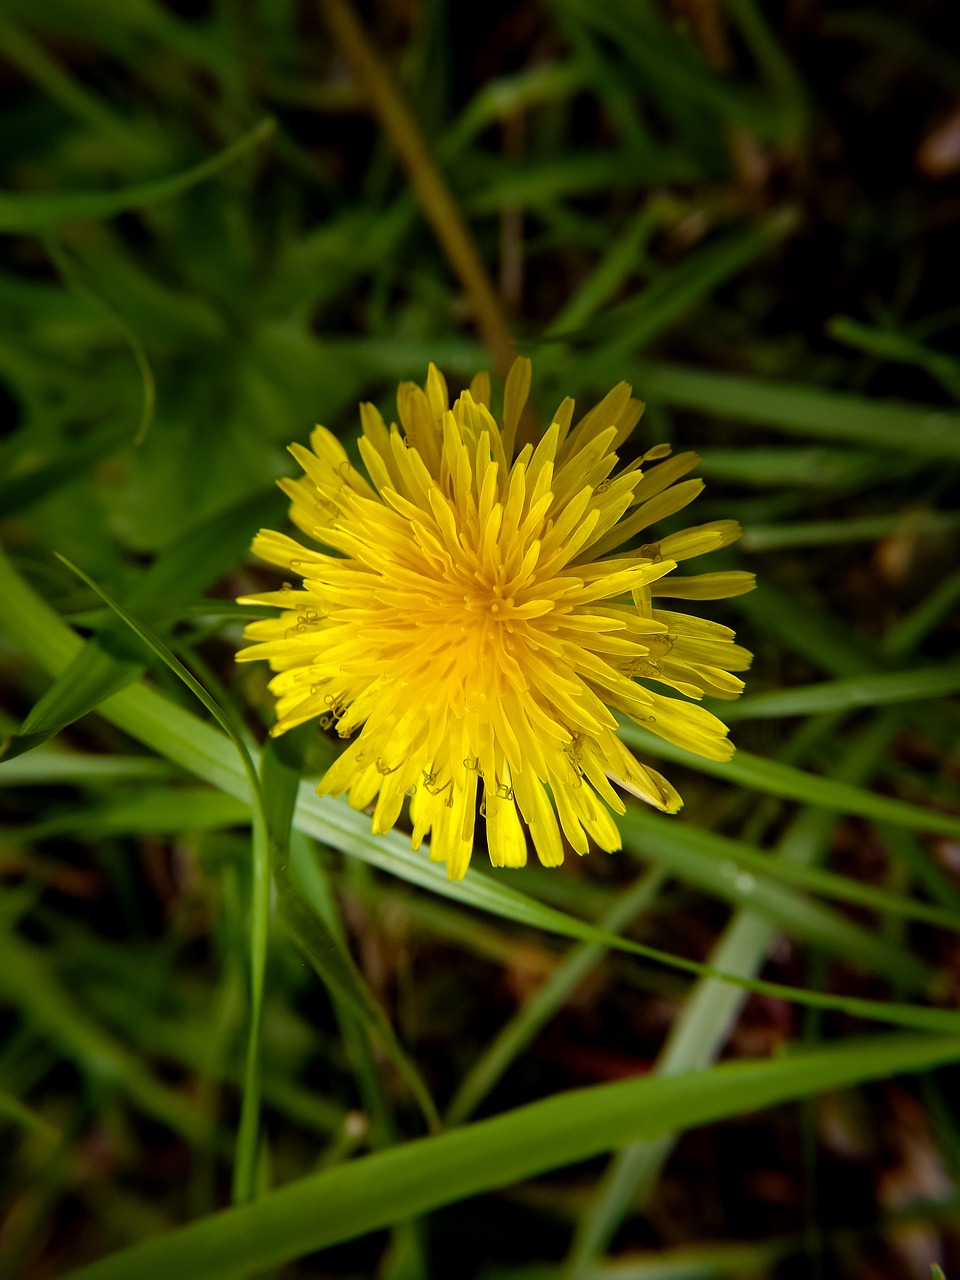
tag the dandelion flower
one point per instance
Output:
(476, 618)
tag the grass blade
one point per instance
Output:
(321, 946)
(788, 783)
(378, 1190)
(800, 410)
(109, 661)
(30, 214)
(248, 1132)
(848, 695)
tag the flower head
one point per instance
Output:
(475, 620)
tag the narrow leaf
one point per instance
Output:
(31, 214)
(377, 1190)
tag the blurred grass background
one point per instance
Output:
(207, 244)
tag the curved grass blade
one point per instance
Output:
(248, 1133)
(31, 214)
(72, 279)
(272, 818)
(377, 1190)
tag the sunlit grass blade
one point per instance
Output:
(851, 694)
(47, 768)
(374, 1191)
(31, 214)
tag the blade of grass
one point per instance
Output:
(800, 410)
(848, 695)
(71, 277)
(14, 1111)
(439, 206)
(676, 70)
(698, 1034)
(693, 856)
(49, 768)
(26, 981)
(378, 1190)
(801, 624)
(34, 61)
(906, 634)
(32, 214)
(303, 917)
(156, 811)
(109, 661)
(26, 486)
(249, 1128)
(806, 466)
(819, 533)
(888, 344)
(631, 325)
(789, 783)
(645, 828)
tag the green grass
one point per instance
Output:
(241, 1035)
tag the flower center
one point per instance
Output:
(491, 600)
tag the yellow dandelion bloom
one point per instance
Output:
(475, 620)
